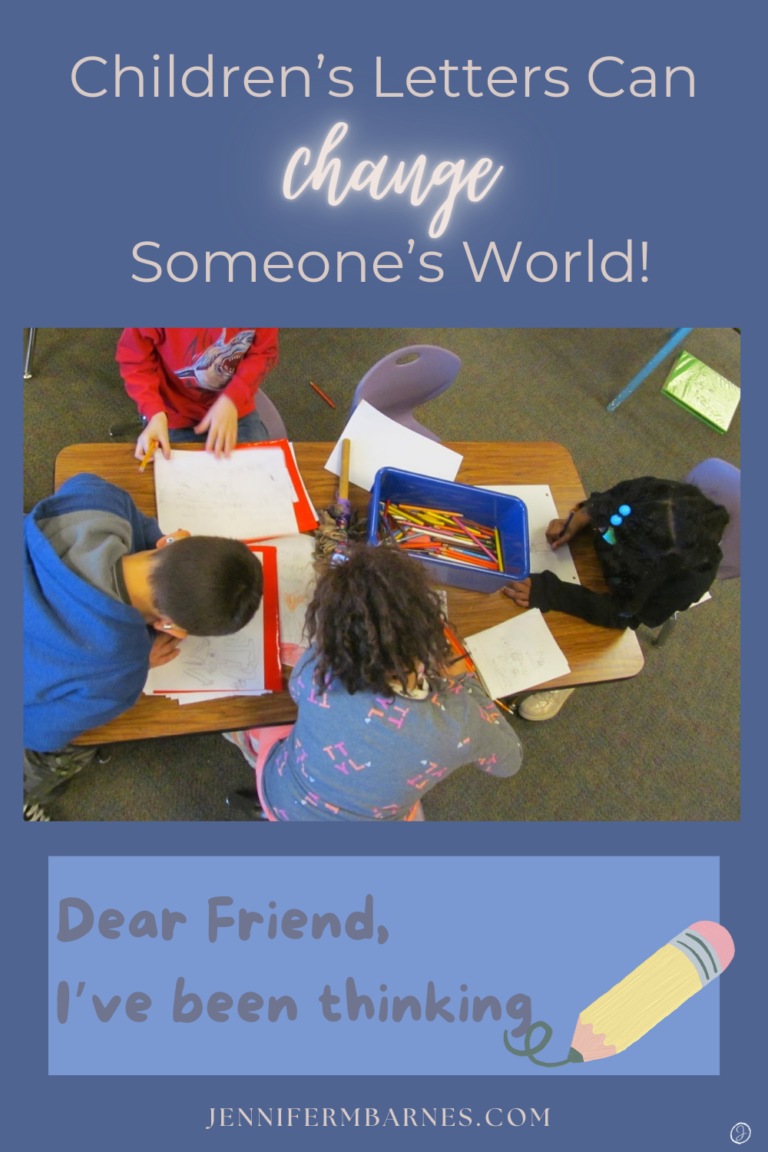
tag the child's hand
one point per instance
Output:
(457, 666)
(519, 591)
(555, 530)
(164, 649)
(157, 431)
(220, 422)
(560, 532)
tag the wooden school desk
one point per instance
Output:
(595, 654)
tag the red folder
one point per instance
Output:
(273, 676)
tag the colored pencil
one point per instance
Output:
(459, 650)
(498, 549)
(477, 541)
(346, 448)
(463, 558)
(454, 537)
(321, 393)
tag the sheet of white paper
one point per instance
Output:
(207, 663)
(247, 496)
(378, 442)
(303, 485)
(541, 509)
(519, 653)
(295, 583)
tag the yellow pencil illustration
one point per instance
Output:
(689, 962)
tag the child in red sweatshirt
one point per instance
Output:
(197, 383)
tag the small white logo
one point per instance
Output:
(740, 1133)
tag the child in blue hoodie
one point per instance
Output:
(105, 599)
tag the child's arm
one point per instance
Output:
(260, 359)
(490, 741)
(164, 649)
(141, 369)
(548, 593)
(661, 598)
(142, 374)
(560, 532)
(459, 660)
(156, 432)
(220, 422)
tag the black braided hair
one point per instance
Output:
(374, 619)
(673, 528)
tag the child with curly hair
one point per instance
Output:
(384, 712)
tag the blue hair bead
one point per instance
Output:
(624, 509)
(616, 520)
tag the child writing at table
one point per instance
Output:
(658, 542)
(384, 714)
(196, 384)
(107, 596)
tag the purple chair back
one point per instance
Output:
(270, 417)
(721, 482)
(396, 389)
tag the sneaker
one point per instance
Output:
(35, 812)
(242, 741)
(544, 705)
(246, 804)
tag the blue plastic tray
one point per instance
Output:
(507, 513)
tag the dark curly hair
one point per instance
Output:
(673, 528)
(374, 619)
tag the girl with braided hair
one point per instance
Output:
(658, 542)
(385, 711)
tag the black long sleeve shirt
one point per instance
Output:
(550, 593)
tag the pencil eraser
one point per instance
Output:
(719, 937)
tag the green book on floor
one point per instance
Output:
(697, 387)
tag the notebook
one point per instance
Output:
(254, 494)
(520, 653)
(697, 387)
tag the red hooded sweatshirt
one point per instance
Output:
(183, 371)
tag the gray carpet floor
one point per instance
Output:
(663, 746)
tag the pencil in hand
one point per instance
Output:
(153, 444)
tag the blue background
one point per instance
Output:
(90, 178)
(562, 931)
(198, 174)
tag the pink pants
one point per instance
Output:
(267, 738)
